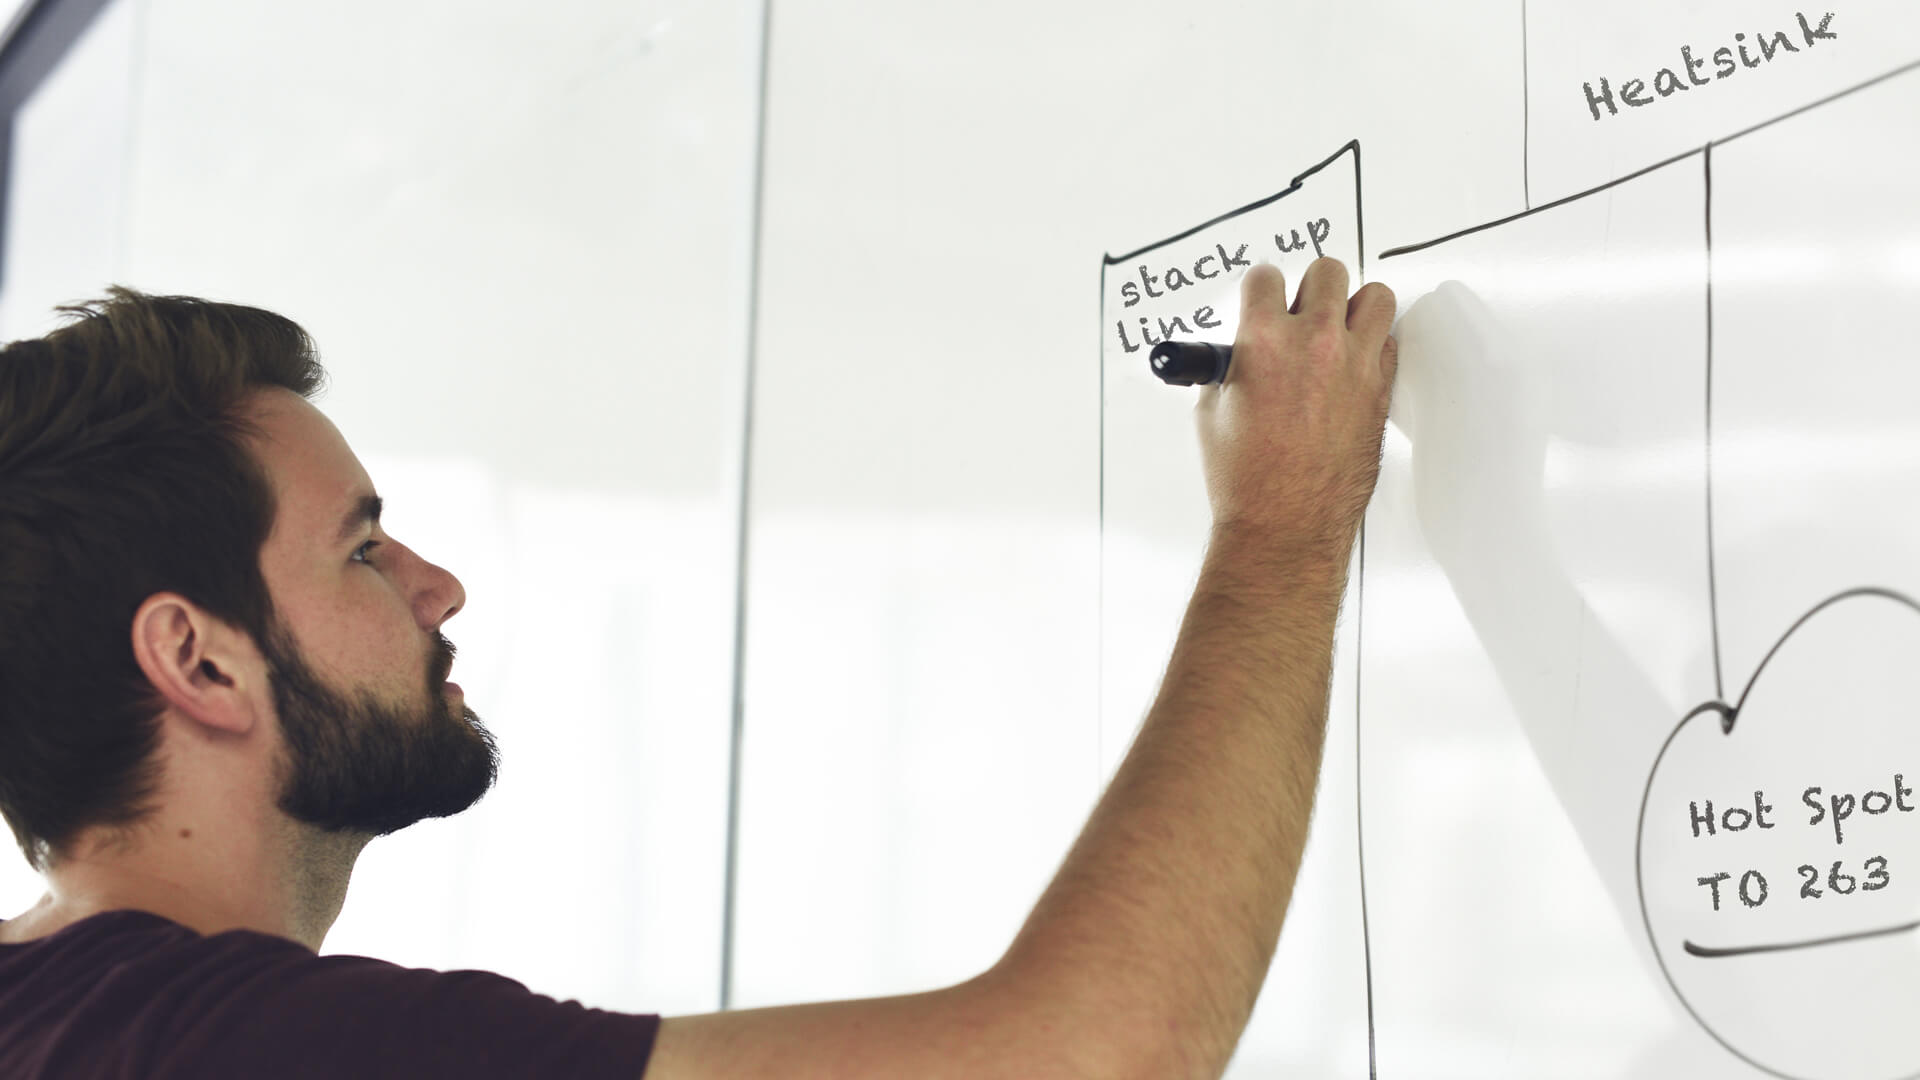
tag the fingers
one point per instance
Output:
(1370, 313)
(1323, 296)
(1263, 292)
(1369, 318)
(1323, 289)
(1263, 303)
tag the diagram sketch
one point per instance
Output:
(1592, 399)
(1624, 784)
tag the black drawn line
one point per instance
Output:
(1710, 953)
(1713, 581)
(1359, 656)
(1728, 714)
(1866, 590)
(1409, 249)
(1359, 218)
(1877, 79)
(1542, 208)
(1353, 145)
(1360, 831)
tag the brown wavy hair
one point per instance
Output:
(124, 471)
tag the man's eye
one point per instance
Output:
(363, 549)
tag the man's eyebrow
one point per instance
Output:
(365, 510)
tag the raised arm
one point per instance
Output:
(1144, 956)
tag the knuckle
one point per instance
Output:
(1324, 328)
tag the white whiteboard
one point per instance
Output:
(1543, 595)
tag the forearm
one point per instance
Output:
(1163, 919)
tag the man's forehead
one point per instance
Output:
(322, 489)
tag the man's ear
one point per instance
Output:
(200, 665)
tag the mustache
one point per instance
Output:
(441, 663)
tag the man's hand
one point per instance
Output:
(1291, 438)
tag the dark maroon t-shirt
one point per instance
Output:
(129, 994)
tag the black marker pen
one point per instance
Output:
(1190, 363)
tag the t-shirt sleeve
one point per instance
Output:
(287, 1013)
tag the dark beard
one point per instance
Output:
(356, 764)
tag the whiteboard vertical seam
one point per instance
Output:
(731, 886)
(1526, 114)
(1100, 561)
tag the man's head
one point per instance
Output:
(197, 604)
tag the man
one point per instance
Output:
(198, 737)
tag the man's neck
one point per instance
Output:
(297, 900)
